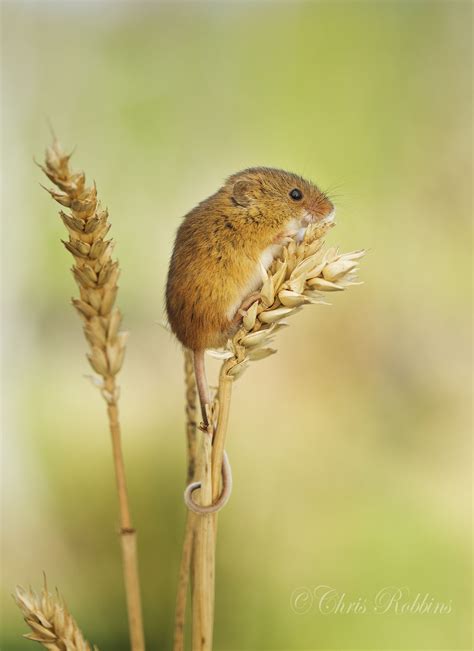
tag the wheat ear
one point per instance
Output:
(303, 273)
(51, 623)
(96, 276)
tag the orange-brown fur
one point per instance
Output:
(219, 245)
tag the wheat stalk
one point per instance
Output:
(297, 277)
(51, 623)
(96, 276)
(191, 518)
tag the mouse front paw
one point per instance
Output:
(282, 239)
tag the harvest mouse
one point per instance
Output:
(220, 246)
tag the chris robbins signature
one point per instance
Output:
(395, 600)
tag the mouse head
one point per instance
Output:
(279, 197)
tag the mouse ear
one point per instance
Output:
(242, 192)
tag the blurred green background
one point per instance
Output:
(351, 446)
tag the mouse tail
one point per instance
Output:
(201, 382)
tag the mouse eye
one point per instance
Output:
(296, 194)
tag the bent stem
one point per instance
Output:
(205, 538)
(224, 395)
